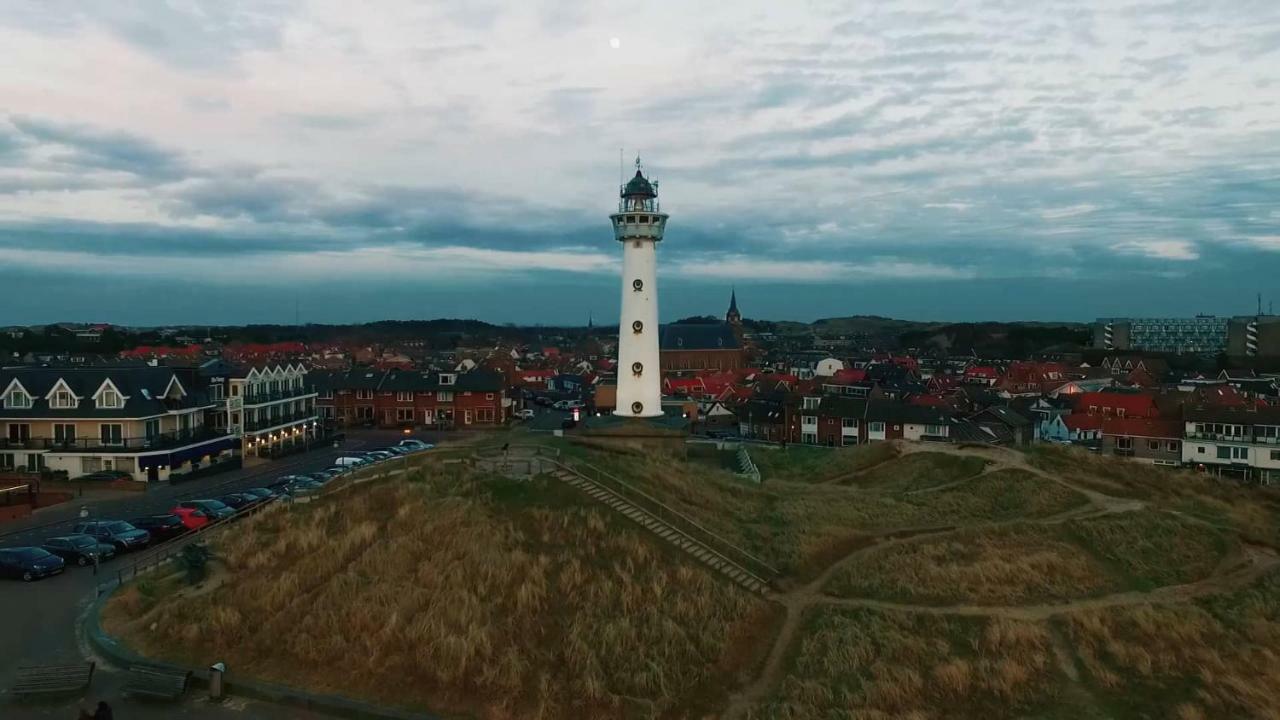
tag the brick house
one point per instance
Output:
(411, 398)
(713, 346)
(1153, 440)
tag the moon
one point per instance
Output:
(615, 43)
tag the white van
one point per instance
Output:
(350, 462)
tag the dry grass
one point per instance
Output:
(1213, 659)
(1036, 563)
(797, 463)
(918, 471)
(880, 665)
(1150, 548)
(1253, 511)
(801, 528)
(1010, 565)
(496, 598)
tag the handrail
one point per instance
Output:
(661, 508)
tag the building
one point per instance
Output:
(699, 346)
(1201, 335)
(144, 421)
(1254, 336)
(732, 316)
(1241, 441)
(413, 398)
(272, 406)
(639, 226)
(1151, 440)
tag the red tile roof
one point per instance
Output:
(1141, 405)
(1142, 427)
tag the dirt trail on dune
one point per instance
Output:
(1236, 571)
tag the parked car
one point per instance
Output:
(560, 405)
(542, 400)
(378, 455)
(162, 527)
(117, 533)
(215, 509)
(302, 486)
(104, 476)
(397, 450)
(79, 549)
(238, 501)
(350, 462)
(526, 414)
(191, 518)
(29, 563)
(263, 494)
(415, 445)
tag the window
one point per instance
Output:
(1153, 444)
(18, 400)
(326, 394)
(215, 392)
(402, 396)
(364, 394)
(1275, 454)
(484, 415)
(1171, 446)
(444, 396)
(447, 378)
(235, 391)
(876, 427)
(19, 432)
(64, 433)
(63, 400)
(6, 461)
(1228, 452)
(109, 399)
(848, 422)
(404, 414)
(812, 403)
(1200, 449)
(488, 396)
(933, 430)
(112, 434)
(153, 428)
(809, 438)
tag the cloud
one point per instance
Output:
(84, 147)
(1158, 249)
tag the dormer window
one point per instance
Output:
(109, 399)
(18, 399)
(62, 400)
(447, 378)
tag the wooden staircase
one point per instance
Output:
(686, 536)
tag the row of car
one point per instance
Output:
(95, 541)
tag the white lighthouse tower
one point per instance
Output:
(638, 225)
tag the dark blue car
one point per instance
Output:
(29, 563)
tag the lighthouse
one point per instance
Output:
(638, 225)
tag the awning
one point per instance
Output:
(178, 457)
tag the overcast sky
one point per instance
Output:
(227, 161)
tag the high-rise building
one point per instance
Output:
(638, 225)
(1202, 334)
(1254, 336)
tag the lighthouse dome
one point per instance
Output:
(639, 186)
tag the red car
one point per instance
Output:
(192, 519)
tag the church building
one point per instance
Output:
(687, 347)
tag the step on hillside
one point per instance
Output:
(694, 549)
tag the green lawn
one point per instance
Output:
(798, 463)
(917, 471)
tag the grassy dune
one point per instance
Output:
(855, 663)
(497, 598)
(1213, 659)
(917, 471)
(798, 463)
(1027, 563)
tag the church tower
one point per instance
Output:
(733, 317)
(638, 225)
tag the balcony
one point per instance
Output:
(262, 398)
(162, 441)
(270, 422)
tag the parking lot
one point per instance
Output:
(40, 619)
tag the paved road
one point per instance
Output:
(39, 621)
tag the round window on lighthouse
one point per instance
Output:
(637, 326)
(637, 284)
(637, 408)
(637, 368)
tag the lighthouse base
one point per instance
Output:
(662, 435)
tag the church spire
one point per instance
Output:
(733, 317)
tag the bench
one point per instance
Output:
(51, 679)
(156, 683)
